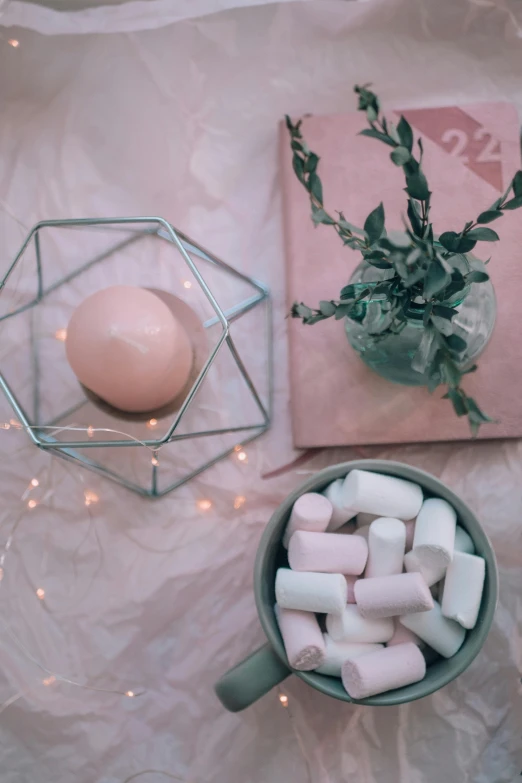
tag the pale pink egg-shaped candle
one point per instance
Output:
(124, 344)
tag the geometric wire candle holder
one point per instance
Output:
(60, 263)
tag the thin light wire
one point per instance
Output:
(156, 772)
(92, 430)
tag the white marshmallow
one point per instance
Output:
(386, 544)
(310, 592)
(383, 670)
(338, 652)
(350, 626)
(430, 574)
(340, 514)
(302, 637)
(434, 539)
(463, 589)
(386, 496)
(463, 541)
(310, 512)
(443, 635)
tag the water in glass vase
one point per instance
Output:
(391, 356)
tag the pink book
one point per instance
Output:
(471, 153)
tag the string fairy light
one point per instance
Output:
(204, 505)
(51, 676)
(32, 503)
(283, 698)
(242, 457)
(152, 423)
(61, 335)
(187, 284)
(90, 497)
(239, 501)
(14, 43)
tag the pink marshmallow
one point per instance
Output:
(310, 512)
(389, 596)
(350, 582)
(327, 553)
(304, 643)
(383, 670)
(402, 635)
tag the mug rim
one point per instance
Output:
(317, 482)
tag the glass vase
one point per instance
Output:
(391, 356)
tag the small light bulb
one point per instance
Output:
(32, 503)
(242, 457)
(130, 694)
(152, 423)
(90, 431)
(14, 43)
(204, 505)
(239, 447)
(155, 461)
(35, 482)
(90, 497)
(40, 593)
(61, 335)
(239, 501)
(6, 426)
(49, 680)
(283, 699)
(14, 423)
(187, 284)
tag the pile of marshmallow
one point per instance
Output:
(377, 580)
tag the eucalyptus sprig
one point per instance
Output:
(426, 271)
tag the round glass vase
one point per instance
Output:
(391, 356)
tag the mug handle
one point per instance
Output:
(250, 679)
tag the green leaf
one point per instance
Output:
(457, 244)
(400, 156)
(298, 166)
(348, 292)
(436, 279)
(477, 277)
(444, 312)
(327, 308)
(517, 184)
(300, 310)
(320, 216)
(458, 400)
(414, 218)
(442, 325)
(417, 186)
(489, 216)
(375, 134)
(374, 224)
(311, 163)
(476, 413)
(482, 235)
(343, 223)
(371, 114)
(343, 310)
(514, 203)
(456, 343)
(405, 133)
(315, 187)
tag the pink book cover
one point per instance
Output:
(471, 153)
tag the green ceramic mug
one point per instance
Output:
(268, 666)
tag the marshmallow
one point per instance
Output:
(351, 626)
(463, 589)
(463, 541)
(350, 582)
(386, 496)
(340, 514)
(386, 542)
(389, 596)
(310, 592)
(304, 644)
(445, 636)
(410, 532)
(383, 670)
(328, 553)
(402, 635)
(430, 573)
(434, 539)
(310, 512)
(338, 652)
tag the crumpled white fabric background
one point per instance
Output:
(181, 121)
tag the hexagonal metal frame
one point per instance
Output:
(185, 246)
